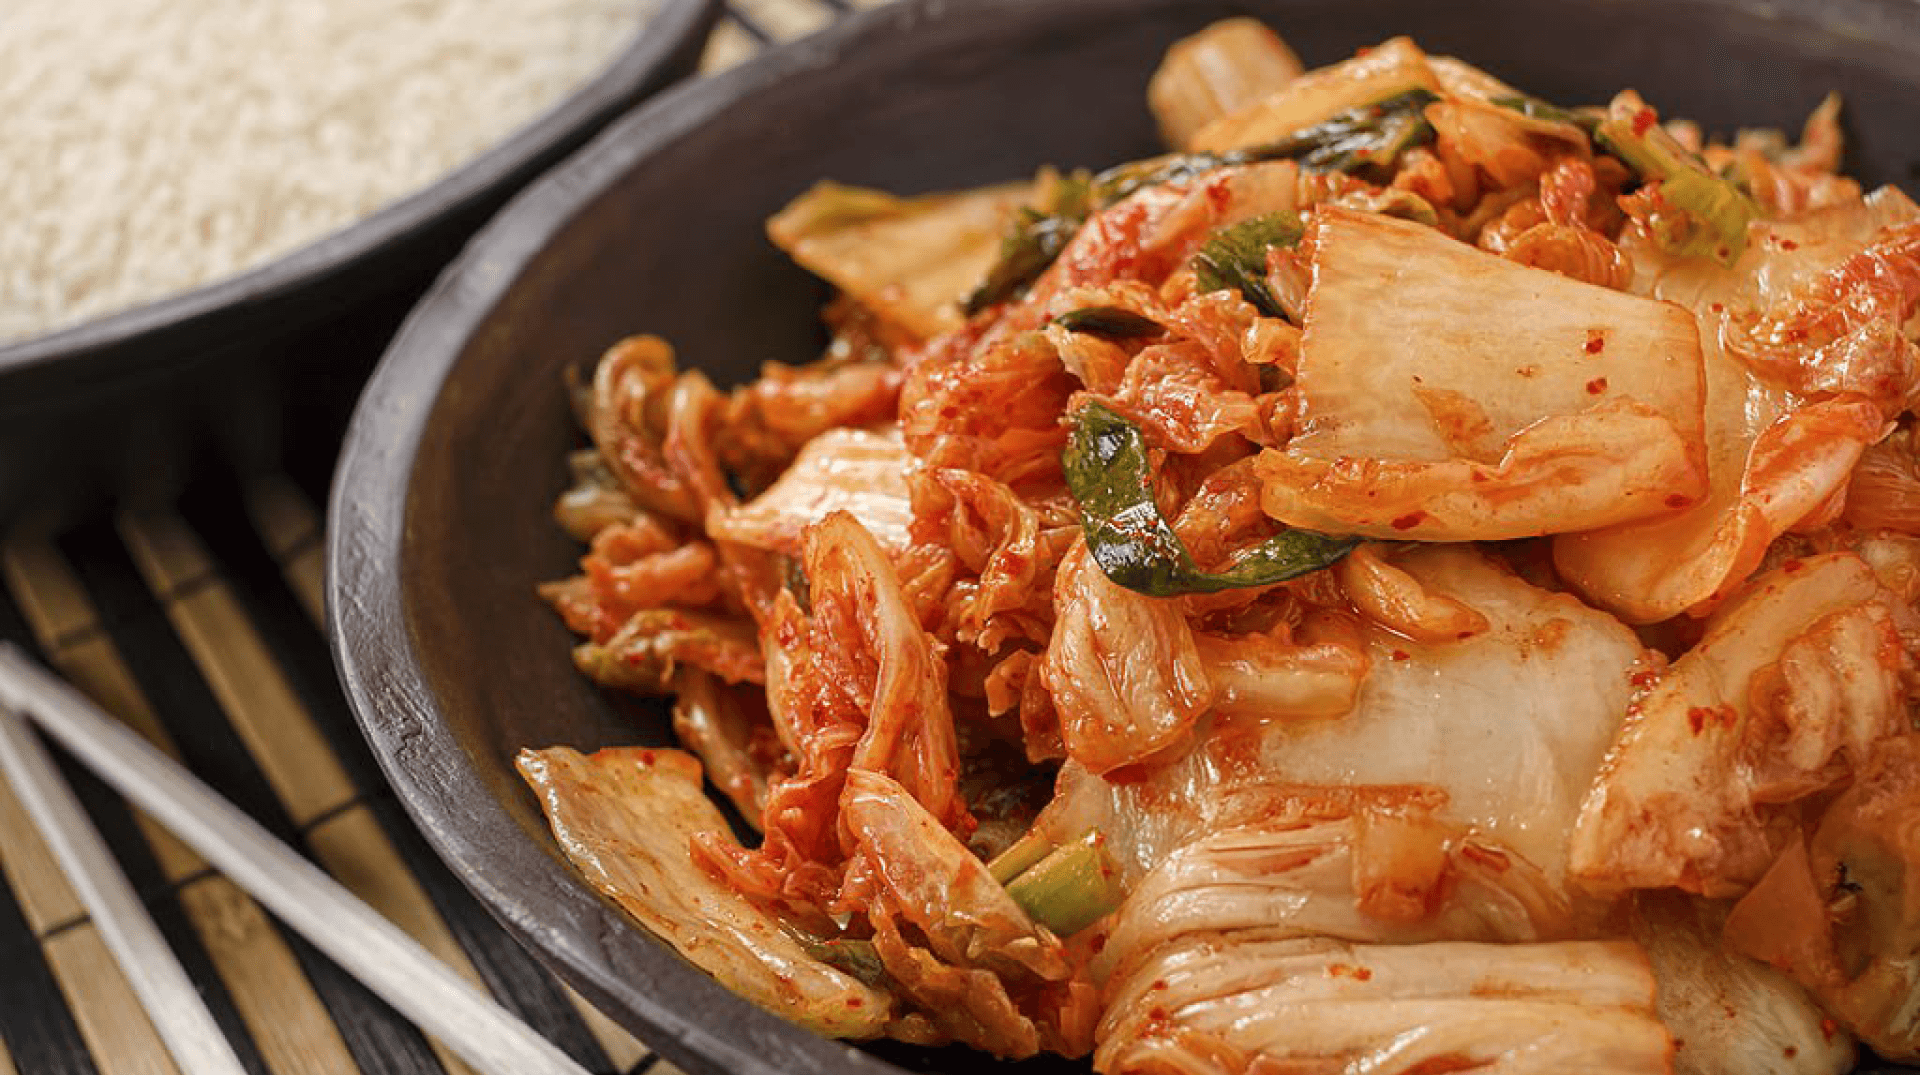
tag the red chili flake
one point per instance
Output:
(1697, 718)
(1789, 244)
(1827, 1028)
(1596, 341)
(1363, 974)
(854, 1002)
(1790, 1052)
(1478, 477)
(1400, 655)
(1643, 679)
(1464, 635)
(1716, 307)
(646, 757)
(1339, 970)
(1642, 120)
(1158, 984)
(1409, 520)
(1676, 501)
(1596, 386)
(1721, 252)
(1099, 944)
(1792, 566)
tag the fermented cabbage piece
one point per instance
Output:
(729, 732)
(940, 887)
(1840, 910)
(860, 472)
(1459, 78)
(1845, 333)
(1007, 551)
(1508, 725)
(855, 684)
(625, 816)
(1227, 1005)
(1794, 682)
(1217, 71)
(1272, 677)
(908, 260)
(1732, 1014)
(643, 654)
(866, 644)
(1122, 667)
(1300, 876)
(1297, 943)
(1511, 722)
(1391, 68)
(1450, 395)
(1771, 461)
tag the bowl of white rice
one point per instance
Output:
(214, 212)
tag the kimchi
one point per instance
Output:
(1417, 578)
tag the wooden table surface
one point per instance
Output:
(201, 626)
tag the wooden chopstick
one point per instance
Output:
(158, 980)
(301, 895)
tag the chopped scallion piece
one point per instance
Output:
(1110, 322)
(1369, 138)
(1235, 258)
(1072, 888)
(1711, 213)
(1109, 475)
(1021, 856)
(1535, 108)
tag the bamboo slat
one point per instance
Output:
(252, 689)
(288, 1023)
(295, 536)
(117, 1030)
(28, 865)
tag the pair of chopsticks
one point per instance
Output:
(300, 894)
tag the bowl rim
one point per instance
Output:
(368, 628)
(152, 332)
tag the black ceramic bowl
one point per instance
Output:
(267, 363)
(440, 525)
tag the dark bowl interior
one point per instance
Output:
(265, 365)
(440, 524)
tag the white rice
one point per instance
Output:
(149, 146)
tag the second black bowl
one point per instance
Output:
(258, 370)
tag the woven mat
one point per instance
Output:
(201, 626)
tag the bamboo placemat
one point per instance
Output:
(200, 625)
